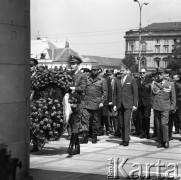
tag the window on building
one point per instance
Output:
(131, 46)
(157, 49)
(165, 49)
(166, 41)
(157, 41)
(144, 47)
(143, 62)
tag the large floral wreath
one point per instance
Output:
(46, 116)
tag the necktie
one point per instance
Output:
(122, 81)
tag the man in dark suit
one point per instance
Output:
(144, 104)
(126, 101)
(163, 102)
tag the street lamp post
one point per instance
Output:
(140, 30)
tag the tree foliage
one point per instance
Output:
(175, 59)
(130, 62)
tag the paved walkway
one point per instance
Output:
(52, 162)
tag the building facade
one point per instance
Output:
(157, 42)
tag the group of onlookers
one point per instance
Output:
(113, 103)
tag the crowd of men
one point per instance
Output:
(114, 103)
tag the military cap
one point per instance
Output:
(109, 71)
(179, 72)
(34, 61)
(74, 59)
(95, 67)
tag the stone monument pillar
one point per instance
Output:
(15, 80)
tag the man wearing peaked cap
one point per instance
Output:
(178, 99)
(163, 102)
(76, 118)
(74, 59)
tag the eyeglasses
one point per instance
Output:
(142, 72)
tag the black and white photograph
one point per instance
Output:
(90, 89)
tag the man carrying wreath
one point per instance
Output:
(77, 95)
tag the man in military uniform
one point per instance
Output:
(178, 99)
(95, 96)
(80, 81)
(144, 105)
(163, 101)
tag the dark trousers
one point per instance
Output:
(105, 118)
(105, 121)
(179, 118)
(172, 120)
(85, 120)
(124, 117)
(162, 119)
(136, 121)
(144, 117)
(94, 122)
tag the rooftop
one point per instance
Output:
(164, 26)
(105, 61)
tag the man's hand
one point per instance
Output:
(73, 89)
(172, 111)
(134, 108)
(115, 108)
(110, 103)
(101, 105)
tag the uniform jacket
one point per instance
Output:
(126, 94)
(96, 93)
(178, 93)
(163, 96)
(80, 80)
(144, 92)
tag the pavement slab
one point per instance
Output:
(53, 163)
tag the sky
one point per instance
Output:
(97, 27)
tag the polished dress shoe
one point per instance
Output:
(124, 143)
(154, 135)
(170, 138)
(142, 136)
(159, 145)
(166, 144)
(135, 133)
(147, 136)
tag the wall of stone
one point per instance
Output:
(15, 79)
